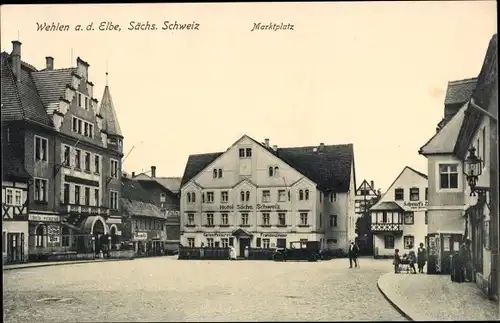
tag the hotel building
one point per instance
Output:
(399, 218)
(258, 196)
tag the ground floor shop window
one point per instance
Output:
(65, 237)
(191, 242)
(225, 242)
(266, 243)
(210, 242)
(39, 235)
(389, 242)
(409, 242)
(281, 243)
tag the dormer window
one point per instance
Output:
(307, 195)
(191, 197)
(220, 173)
(301, 195)
(245, 152)
(273, 171)
(215, 173)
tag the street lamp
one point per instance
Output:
(473, 167)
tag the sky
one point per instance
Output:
(373, 74)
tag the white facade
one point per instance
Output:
(399, 218)
(238, 190)
(14, 221)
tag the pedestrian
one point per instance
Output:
(353, 254)
(421, 258)
(397, 261)
(232, 253)
(412, 257)
(461, 262)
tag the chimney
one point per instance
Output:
(82, 68)
(372, 184)
(16, 59)
(124, 175)
(267, 142)
(133, 174)
(321, 146)
(49, 63)
(153, 171)
(275, 147)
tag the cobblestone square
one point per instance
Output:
(167, 289)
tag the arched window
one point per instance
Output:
(215, 173)
(202, 197)
(301, 195)
(276, 171)
(39, 233)
(248, 196)
(65, 237)
(220, 173)
(270, 171)
(307, 195)
(242, 196)
(289, 195)
(189, 197)
(193, 197)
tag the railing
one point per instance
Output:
(387, 227)
(85, 209)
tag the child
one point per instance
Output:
(397, 261)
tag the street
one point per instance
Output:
(167, 289)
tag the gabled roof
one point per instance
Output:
(137, 201)
(460, 91)
(12, 164)
(133, 190)
(443, 142)
(329, 168)
(487, 84)
(51, 85)
(387, 206)
(107, 110)
(21, 100)
(366, 184)
(173, 184)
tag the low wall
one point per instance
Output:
(122, 254)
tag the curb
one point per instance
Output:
(393, 303)
(62, 264)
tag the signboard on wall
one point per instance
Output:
(140, 236)
(273, 235)
(43, 218)
(416, 205)
(217, 234)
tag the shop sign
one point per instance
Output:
(268, 207)
(244, 207)
(226, 207)
(43, 218)
(273, 235)
(54, 239)
(140, 236)
(172, 213)
(416, 205)
(114, 221)
(217, 234)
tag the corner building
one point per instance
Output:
(260, 196)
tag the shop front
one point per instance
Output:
(148, 243)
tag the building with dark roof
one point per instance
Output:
(261, 196)
(453, 213)
(399, 218)
(69, 147)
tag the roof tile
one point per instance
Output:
(459, 92)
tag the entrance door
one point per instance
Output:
(15, 247)
(244, 242)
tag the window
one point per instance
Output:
(280, 243)
(281, 195)
(86, 129)
(210, 197)
(484, 146)
(321, 196)
(399, 194)
(225, 242)
(258, 242)
(215, 173)
(17, 197)
(224, 219)
(301, 195)
(242, 153)
(333, 220)
(426, 193)
(77, 194)
(66, 189)
(220, 173)
(97, 164)
(282, 219)
(224, 197)
(271, 171)
(78, 158)
(276, 171)
(87, 162)
(426, 218)
(247, 196)
(67, 154)
(409, 218)
(163, 197)
(86, 103)
(113, 200)
(9, 135)
(91, 130)
(191, 242)
(414, 194)
(242, 196)
(448, 176)
(307, 195)
(265, 218)
(75, 125)
(266, 243)
(333, 197)
(210, 242)
(41, 146)
(409, 242)
(210, 219)
(248, 152)
(79, 126)
(114, 168)
(384, 217)
(87, 196)
(244, 218)
(13, 196)
(40, 233)
(41, 190)
(79, 99)
(303, 218)
(65, 237)
(96, 197)
(389, 242)
(190, 219)
(266, 196)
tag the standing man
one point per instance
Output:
(353, 254)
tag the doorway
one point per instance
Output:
(98, 231)
(244, 242)
(15, 247)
